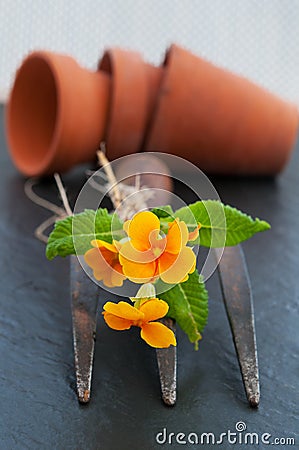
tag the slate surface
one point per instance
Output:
(38, 406)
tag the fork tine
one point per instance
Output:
(167, 364)
(237, 297)
(84, 299)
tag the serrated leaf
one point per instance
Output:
(73, 234)
(221, 225)
(163, 211)
(188, 305)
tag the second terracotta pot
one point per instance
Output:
(220, 121)
(134, 86)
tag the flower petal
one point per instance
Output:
(194, 234)
(117, 323)
(142, 227)
(118, 268)
(166, 261)
(174, 268)
(98, 244)
(138, 272)
(126, 226)
(105, 267)
(99, 261)
(154, 309)
(123, 310)
(131, 253)
(177, 236)
(157, 335)
(116, 278)
(117, 245)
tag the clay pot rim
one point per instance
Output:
(44, 163)
(112, 63)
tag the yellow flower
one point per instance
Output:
(148, 255)
(122, 316)
(104, 261)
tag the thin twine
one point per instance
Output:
(40, 201)
(59, 213)
(63, 195)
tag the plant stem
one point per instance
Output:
(116, 200)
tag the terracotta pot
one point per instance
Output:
(133, 91)
(56, 114)
(220, 121)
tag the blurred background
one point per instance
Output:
(256, 38)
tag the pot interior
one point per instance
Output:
(32, 115)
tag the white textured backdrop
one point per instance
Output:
(257, 38)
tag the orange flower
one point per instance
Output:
(148, 255)
(122, 316)
(103, 259)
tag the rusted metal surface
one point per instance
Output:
(237, 296)
(167, 364)
(84, 300)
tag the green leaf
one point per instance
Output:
(221, 225)
(163, 212)
(188, 305)
(73, 235)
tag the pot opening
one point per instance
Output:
(32, 116)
